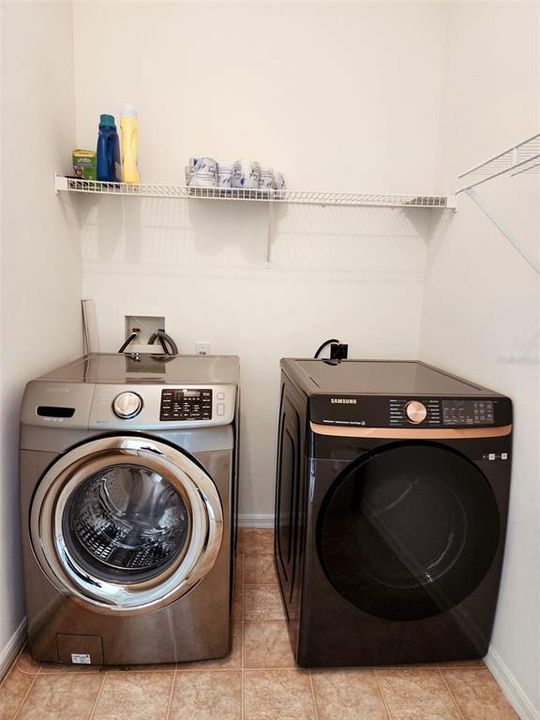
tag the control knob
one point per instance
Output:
(127, 405)
(416, 412)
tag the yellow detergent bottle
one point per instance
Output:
(129, 125)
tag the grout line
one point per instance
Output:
(379, 683)
(25, 696)
(98, 696)
(454, 699)
(243, 595)
(13, 667)
(313, 696)
(169, 704)
(242, 635)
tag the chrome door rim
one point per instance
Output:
(65, 572)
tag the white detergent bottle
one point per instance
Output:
(129, 126)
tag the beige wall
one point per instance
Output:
(339, 96)
(481, 315)
(41, 276)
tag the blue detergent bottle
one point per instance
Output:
(108, 151)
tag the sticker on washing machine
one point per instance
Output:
(80, 659)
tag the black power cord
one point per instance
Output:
(128, 340)
(167, 343)
(338, 350)
(325, 343)
(164, 340)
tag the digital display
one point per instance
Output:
(468, 412)
(186, 404)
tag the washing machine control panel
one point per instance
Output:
(160, 407)
(186, 404)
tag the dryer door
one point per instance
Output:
(126, 524)
(408, 532)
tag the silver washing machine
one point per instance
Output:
(128, 472)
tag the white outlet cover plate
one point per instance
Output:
(202, 347)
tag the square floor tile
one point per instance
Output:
(64, 696)
(267, 645)
(13, 690)
(262, 602)
(134, 696)
(478, 695)
(348, 695)
(417, 694)
(207, 695)
(259, 570)
(278, 695)
(258, 541)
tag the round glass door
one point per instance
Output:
(125, 524)
(408, 532)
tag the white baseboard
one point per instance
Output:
(256, 521)
(513, 691)
(13, 648)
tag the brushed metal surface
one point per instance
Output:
(75, 467)
(196, 626)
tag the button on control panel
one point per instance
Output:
(416, 412)
(127, 405)
(405, 411)
(468, 412)
(186, 404)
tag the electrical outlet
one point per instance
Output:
(202, 347)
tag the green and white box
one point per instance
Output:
(84, 164)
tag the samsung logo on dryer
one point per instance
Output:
(343, 401)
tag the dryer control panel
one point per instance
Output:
(410, 412)
(437, 413)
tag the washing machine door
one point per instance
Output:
(126, 524)
(408, 532)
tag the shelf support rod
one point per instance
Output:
(501, 228)
(270, 234)
(60, 183)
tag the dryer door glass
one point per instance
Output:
(126, 522)
(409, 532)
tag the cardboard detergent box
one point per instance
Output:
(84, 164)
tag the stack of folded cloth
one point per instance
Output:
(242, 175)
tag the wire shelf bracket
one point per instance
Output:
(475, 197)
(521, 158)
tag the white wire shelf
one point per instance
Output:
(521, 158)
(77, 185)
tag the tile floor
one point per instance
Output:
(258, 681)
